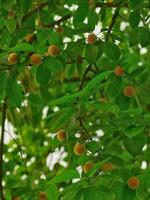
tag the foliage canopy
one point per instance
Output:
(74, 92)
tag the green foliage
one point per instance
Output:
(78, 92)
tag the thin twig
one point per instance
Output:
(112, 23)
(2, 148)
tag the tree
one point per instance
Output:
(74, 82)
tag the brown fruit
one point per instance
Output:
(109, 1)
(12, 58)
(87, 166)
(133, 182)
(79, 149)
(53, 50)
(102, 100)
(42, 196)
(11, 14)
(15, 198)
(129, 91)
(35, 59)
(91, 3)
(108, 167)
(59, 30)
(92, 38)
(29, 37)
(119, 71)
(61, 135)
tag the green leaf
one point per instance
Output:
(98, 193)
(106, 107)
(135, 3)
(81, 13)
(11, 24)
(93, 18)
(134, 145)
(144, 35)
(91, 53)
(127, 193)
(14, 93)
(43, 74)
(134, 18)
(95, 81)
(23, 47)
(52, 192)
(66, 99)
(62, 118)
(53, 64)
(65, 176)
(112, 51)
(134, 37)
(114, 87)
(72, 191)
(132, 131)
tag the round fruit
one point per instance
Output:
(92, 38)
(102, 100)
(79, 149)
(53, 50)
(15, 198)
(119, 71)
(129, 91)
(61, 135)
(108, 167)
(38, 22)
(35, 59)
(87, 166)
(133, 182)
(12, 58)
(59, 30)
(29, 37)
(42, 196)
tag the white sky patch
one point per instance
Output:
(145, 147)
(99, 132)
(144, 165)
(24, 103)
(77, 135)
(123, 26)
(9, 133)
(143, 51)
(44, 112)
(56, 109)
(57, 156)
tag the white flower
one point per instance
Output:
(57, 156)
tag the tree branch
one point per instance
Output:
(2, 148)
(112, 23)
